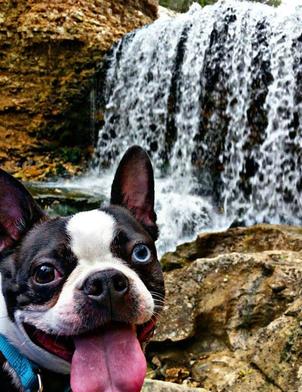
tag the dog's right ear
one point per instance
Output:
(133, 188)
(18, 211)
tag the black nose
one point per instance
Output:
(108, 285)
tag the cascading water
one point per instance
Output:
(215, 97)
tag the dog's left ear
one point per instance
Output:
(133, 188)
(18, 211)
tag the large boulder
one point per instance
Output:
(50, 51)
(233, 314)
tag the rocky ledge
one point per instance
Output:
(233, 315)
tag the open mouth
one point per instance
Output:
(61, 346)
(64, 347)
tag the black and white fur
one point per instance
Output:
(77, 248)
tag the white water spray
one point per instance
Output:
(215, 97)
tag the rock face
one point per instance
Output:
(233, 314)
(49, 53)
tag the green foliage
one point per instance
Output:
(274, 3)
(71, 154)
(205, 2)
(177, 5)
(183, 5)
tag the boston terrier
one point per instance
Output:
(79, 295)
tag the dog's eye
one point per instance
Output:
(45, 273)
(141, 254)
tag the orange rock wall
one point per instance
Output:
(49, 51)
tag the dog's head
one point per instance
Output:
(83, 290)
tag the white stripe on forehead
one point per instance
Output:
(91, 234)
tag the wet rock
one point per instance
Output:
(233, 314)
(49, 54)
(63, 201)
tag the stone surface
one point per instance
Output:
(164, 12)
(278, 349)
(244, 240)
(233, 314)
(49, 54)
(161, 386)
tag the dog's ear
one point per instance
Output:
(18, 211)
(133, 188)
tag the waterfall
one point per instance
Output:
(215, 97)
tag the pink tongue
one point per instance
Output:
(110, 361)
